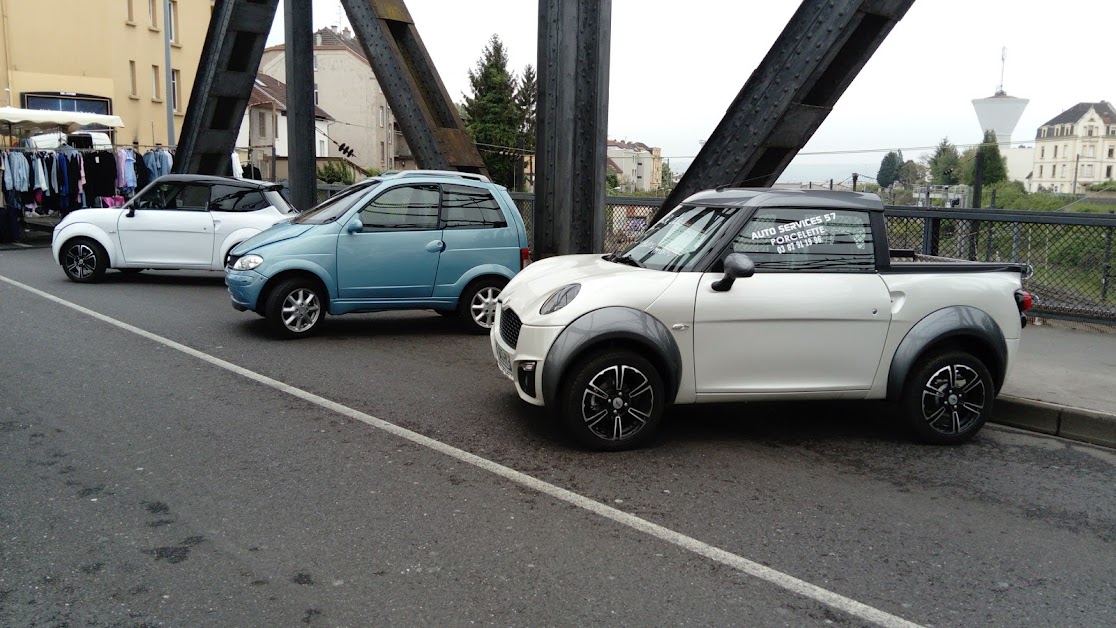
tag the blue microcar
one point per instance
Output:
(416, 239)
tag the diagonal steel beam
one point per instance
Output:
(419, 101)
(230, 58)
(789, 95)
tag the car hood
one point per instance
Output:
(603, 284)
(275, 233)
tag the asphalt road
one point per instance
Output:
(143, 485)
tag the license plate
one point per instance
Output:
(504, 360)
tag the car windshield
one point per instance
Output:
(335, 206)
(675, 242)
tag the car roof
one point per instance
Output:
(768, 197)
(403, 174)
(213, 179)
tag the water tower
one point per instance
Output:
(1000, 112)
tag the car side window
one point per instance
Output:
(466, 207)
(808, 240)
(175, 195)
(404, 208)
(229, 198)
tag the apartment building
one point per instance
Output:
(638, 166)
(345, 85)
(104, 56)
(1076, 148)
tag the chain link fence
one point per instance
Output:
(1073, 255)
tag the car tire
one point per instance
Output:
(477, 304)
(84, 260)
(613, 400)
(947, 398)
(295, 308)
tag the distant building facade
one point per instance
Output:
(104, 56)
(1076, 148)
(263, 132)
(346, 86)
(639, 167)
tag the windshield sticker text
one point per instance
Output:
(797, 235)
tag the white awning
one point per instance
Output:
(44, 119)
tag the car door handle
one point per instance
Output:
(437, 246)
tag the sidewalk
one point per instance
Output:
(1063, 383)
(30, 239)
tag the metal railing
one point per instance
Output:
(1073, 254)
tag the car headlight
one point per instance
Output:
(560, 299)
(248, 262)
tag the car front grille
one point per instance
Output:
(509, 326)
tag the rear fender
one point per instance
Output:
(959, 324)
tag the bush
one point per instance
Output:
(336, 173)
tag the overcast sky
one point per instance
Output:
(676, 66)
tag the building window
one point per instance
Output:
(1090, 151)
(261, 122)
(1055, 152)
(1042, 153)
(152, 14)
(315, 94)
(315, 63)
(131, 11)
(1089, 130)
(383, 154)
(1089, 170)
(172, 21)
(1043, 131)
(1065, 151)
(381, 116)
(176, 78)
(1111, 152)
(132, 77)
(1063, 171)
(1040, 172)
(321, 148)
(1108, 172)
(155, 91)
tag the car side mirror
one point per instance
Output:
(354, 226)
(737, 266)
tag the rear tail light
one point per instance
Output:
(524, 258)
(1023, 300)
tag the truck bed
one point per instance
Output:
(909, 261)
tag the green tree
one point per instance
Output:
(526, 100)
(889, 168)
(945, 163)
(912, 173)
(667, 181)
(493, 118)
(995, 164)
(612, 180)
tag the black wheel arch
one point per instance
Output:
(957, 327)
(613, 327)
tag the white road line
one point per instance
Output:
(778, 578)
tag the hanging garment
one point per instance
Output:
(151, 162)
(165, 162)
(237, 171)
(100, 170)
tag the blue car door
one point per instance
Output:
(476, 234)
(395, 253)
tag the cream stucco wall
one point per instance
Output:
(347, 91)
(84, 47)
(1058, 157)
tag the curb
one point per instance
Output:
(1080, 424)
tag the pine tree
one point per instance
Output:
(945, 164)
(526, 100)
(493, 118)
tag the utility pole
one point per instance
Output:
(855, 176)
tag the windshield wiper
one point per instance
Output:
(623, 259)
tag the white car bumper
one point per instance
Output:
(523, 362)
